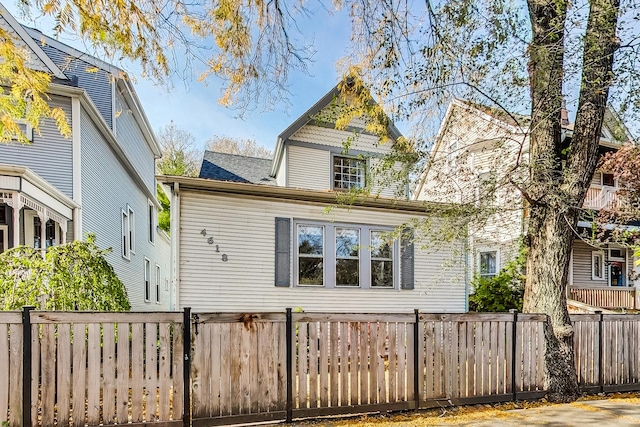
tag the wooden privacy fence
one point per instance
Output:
(81, 368)
(606, 351)
(225, 368)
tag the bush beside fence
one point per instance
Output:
(76, 368)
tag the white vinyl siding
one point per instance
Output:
(337, 138)
(246, 280)
(50, 154)
(308, 168)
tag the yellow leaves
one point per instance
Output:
(92, 70)
(25, 99)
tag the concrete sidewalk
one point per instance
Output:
(616, 412)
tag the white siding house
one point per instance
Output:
(100, 180)
(247, 237)
(477, 146)
(243, 247)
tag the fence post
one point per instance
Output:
(416, 362)
(186, 366)
(514, 337)
(26, 366)
(289, 337)
(600, 348)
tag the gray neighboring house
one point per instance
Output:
(101, 180)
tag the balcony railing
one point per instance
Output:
(600, 198)
(605, 297)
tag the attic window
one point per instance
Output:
(608, 180)
(348, 172)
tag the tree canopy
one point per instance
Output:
(243, 147)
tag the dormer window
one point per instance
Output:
(348, 172)
(608, 180)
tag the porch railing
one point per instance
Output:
(600, 198)
(605, 297)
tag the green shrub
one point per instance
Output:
(501, 292)
(71, 276)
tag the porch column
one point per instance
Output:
(43, 232)
(63, 232)
(16, 205)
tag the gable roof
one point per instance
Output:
(308, 116)
(122, 82)
(22, 33)
(232, 167)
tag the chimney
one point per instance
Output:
(564, 114)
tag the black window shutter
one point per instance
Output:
(406, 259)
(283, 252)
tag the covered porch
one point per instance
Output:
(32, 211)
(603, 277)
(609, 297)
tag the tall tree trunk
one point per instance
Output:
(560, 174)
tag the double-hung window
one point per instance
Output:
(348, 173)
(157, 284)
(488, 263)
(310, 255)
(128, 232)
(152, 222)
(381, 260)
(345, 256)
(147, 280)
(597, 265)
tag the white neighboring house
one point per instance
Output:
(101, 180)
(476, 145)
(256, 235)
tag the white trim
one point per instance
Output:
(174, 212)
(5, 236)
(125, 235)
(599, 254)
(132, 229)
(152, 218)
(486, 249)
(76, 138)
(157, 283)
(24, 34)
(114, 105)
(147, 280)
(329, 255)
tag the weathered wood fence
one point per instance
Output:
(79, 369)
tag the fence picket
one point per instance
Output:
(353, 361)
(123, 363)
(79, 372)
(63, 373)
(137, 371)
(344, 363)
(108, 373)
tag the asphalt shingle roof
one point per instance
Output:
(233, 167)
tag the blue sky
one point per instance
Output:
(193, 106)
